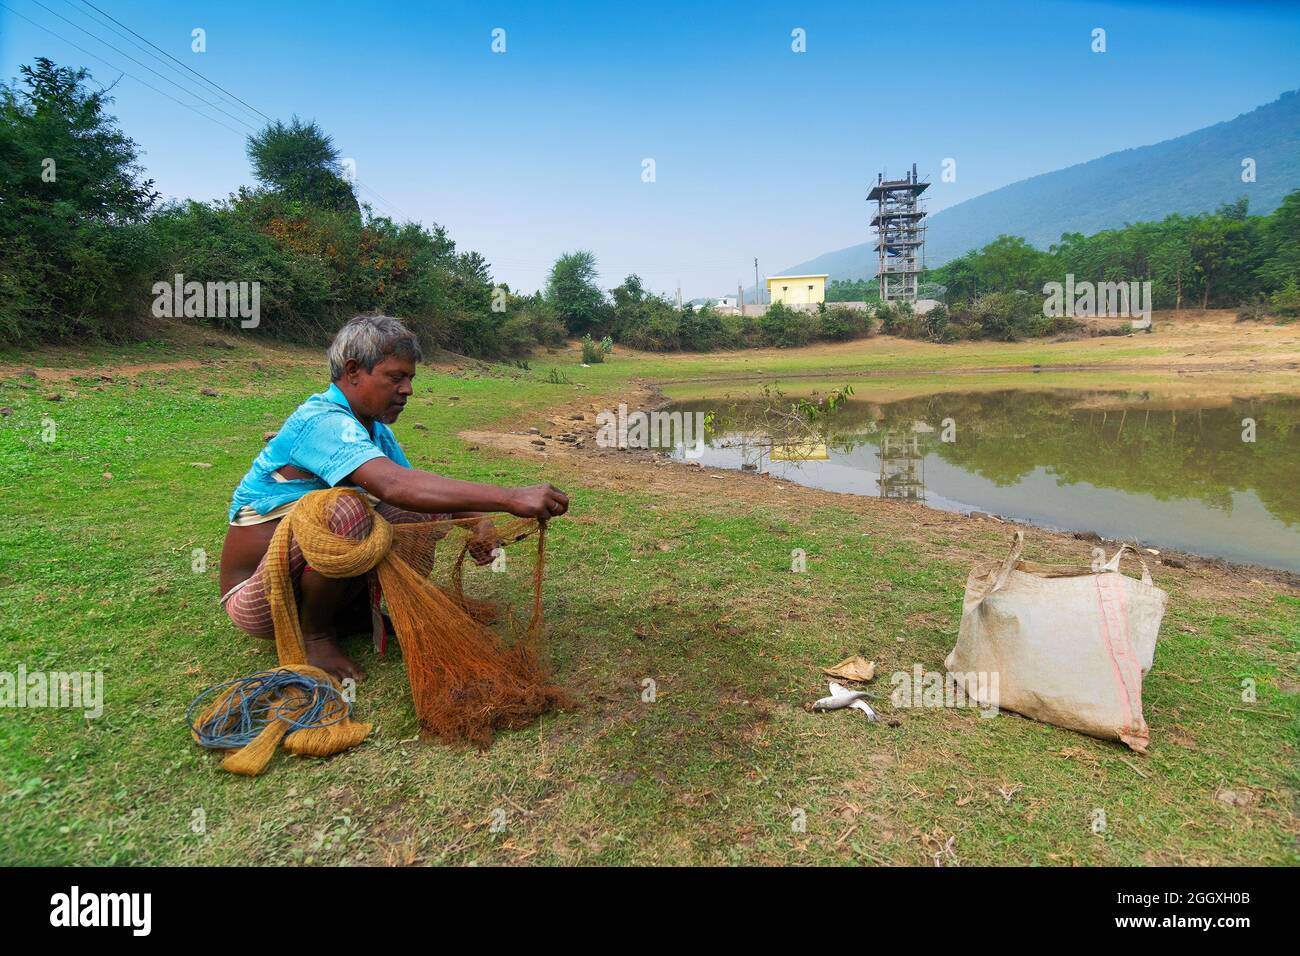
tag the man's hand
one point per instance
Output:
(542, 502)
(415, 490)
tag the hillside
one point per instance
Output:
(1189, 174)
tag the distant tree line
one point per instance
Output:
(84, 240)
(1215, 260)
(1224, 259)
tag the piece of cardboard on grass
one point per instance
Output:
(855, 668)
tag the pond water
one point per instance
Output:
(1175, 472)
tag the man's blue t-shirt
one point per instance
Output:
(323, 437)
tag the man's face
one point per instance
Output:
(379, 394)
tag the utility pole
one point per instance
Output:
(758, 294)
(679, 295)
(740, 297)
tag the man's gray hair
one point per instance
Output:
(369, 339)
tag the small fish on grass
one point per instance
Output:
(841, 697)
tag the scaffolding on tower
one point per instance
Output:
(900, 235)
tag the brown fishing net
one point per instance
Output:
(467, 681)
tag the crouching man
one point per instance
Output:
(340, 437)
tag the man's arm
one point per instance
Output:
(423, 491)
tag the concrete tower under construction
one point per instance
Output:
(900, 235)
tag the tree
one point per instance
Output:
(1280, 238)
(65, 153)
(1009, 263)
(76, 252)
(853, 290)
(1171, 265)
(960, 278)
(300, 160)
(1206, 243)
(1006, 264)
(572, 291)
(1235, 211)
(630, 293)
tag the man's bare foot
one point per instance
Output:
(323, 652)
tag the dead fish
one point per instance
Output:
(842, 697)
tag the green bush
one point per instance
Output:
(784, 327)
(530, 323)
(591, 353)
(1063, 325)
(1007, 316)
(887, 316)
(937, 326)
(1258, 310)
(899, 319)
(702, 330)
(1286, 300)
(657, 331)
(300, 295)
(319, 266)
(840, 324)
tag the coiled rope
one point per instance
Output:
(246, 705)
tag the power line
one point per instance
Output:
(149, 53)
(170, 57)
(372, 192)
(217, 86)
(145, 65)
(391, 207)
(119, 69)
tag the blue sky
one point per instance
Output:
(758, 150)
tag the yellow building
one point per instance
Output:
(800, 451)
(797, 290)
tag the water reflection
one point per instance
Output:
(902, 466)
(1214, 476)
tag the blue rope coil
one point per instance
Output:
(261, 699)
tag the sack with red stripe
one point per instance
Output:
(1065, 645)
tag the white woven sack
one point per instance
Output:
(1065, 645)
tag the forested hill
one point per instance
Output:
(1190, 174)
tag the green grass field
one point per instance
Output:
(98, 573)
